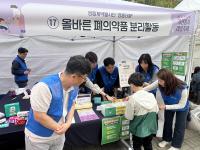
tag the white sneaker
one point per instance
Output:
(173, 148)
(163, 144)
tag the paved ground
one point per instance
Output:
(191, 142)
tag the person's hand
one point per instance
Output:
(161, 106)
(110, 98)
(126, 98)
(63, 128)
(58, 128)
(26, 72)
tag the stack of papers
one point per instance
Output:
(83, 101)
(87, 115)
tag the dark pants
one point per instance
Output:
(21, 84)
(179, 130)
(138, 142)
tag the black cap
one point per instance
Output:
(22, 50)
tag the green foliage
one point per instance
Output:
(161, 3)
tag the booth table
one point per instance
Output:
(79, 134)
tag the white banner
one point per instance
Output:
(82, 18)
(73, 20)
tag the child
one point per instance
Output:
(142, 110)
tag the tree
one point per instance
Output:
(161, 3)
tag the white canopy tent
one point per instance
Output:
(52, 33)
(193, 5)
(188, 5)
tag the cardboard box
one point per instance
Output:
(11, 109)
(97, 100)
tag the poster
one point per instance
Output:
(179, 61)
(176, 62)
(125, 128)
(166, 61)
(125, 70)
(111, 128)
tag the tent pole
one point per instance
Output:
(191, 50)
(114, 40)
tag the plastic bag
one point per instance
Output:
(194, 124)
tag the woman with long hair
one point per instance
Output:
(174, 94)
(147, 68)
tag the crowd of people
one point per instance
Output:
(153, 89)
